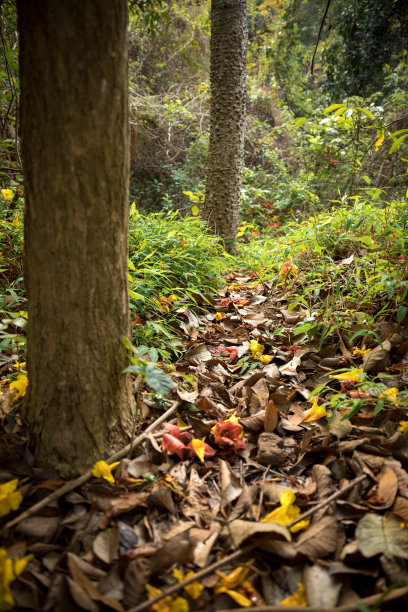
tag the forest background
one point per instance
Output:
(323, 215)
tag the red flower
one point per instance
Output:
(179, 443)
(227, 433)
(228, 351)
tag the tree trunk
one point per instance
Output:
(227, 117)
(74, 106)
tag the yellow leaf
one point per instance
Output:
(195, 210)
(265, 359)
(218, 316)
(403, 426)
(256, 348)
(389, 394)
(102, 470)
(10, 499)
(20, 385)
(314, 413)
(354, 375)
(19, 365)
(297, 599)
(379, 140)
(286, 513)
(199, 448)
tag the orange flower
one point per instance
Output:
(228, 434)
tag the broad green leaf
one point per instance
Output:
(131, 265)
(299, 122)
(401, 314)
(158, 380)
(331, 108)
(365, 111)
(397, 143)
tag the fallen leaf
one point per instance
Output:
(376, 533)
(239, 530)
(320, 539)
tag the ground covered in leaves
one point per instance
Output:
(274, 474)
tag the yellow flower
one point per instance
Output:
(256, 348)
(389, 394)
(403, 426)
(228, 583)
(102, 470)
(198, 447)
(173, 298)
(286, 513)
(354, 375)
(218, 316)
(314, 413)
(194, 589)
(297, 599)
(167, 604)
(10, 499)
(9, 570)
(20, 385)
(359, 352)
(7, 194)
(19, 365)
(265, 359)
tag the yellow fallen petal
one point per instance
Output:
(233, 579)
(102, 470)
(359, 352)
(314, 413)
(240, 599)
(286, 513)
(199, 448)
(297, 599)
(354, 375)
(265, 359)
(256, 348)
(10, 499)
(389, 394)
(194, 589)
(218, 316)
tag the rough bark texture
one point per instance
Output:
(74, 105)
(227, 117)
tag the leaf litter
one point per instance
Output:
(273, 475)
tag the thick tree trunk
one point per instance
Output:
(74, 106)
(227, 117)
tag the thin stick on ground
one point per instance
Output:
(239, 553)
(73, 484)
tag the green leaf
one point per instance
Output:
(158, 380)
(331, 108)
(195, 210)
(401, 314)
(299, 122)
(365, 111)
(131, 265)
(397, 143)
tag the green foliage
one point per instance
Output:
(150, 373)
(173, 262)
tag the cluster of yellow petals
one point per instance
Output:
(314, 413)
(7, 194)
(20, 386)
(173, 297)
(167, 604)
(194, 589)
(286, 513)
(265, 359)
(228, 584)
(218, 316)
(10, 499)
(256, 349)
(101, 469)
(9, 570)
(359, 352)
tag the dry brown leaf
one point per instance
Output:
(126, 503)
(230, 486)
(238, 531)
(271, 417)
(377, 357)
(106, 545)
(322, 590)
(320, 539)
(386, 490)
(400, 508)
(88, 586)
(376, 533)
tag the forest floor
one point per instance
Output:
(239, 490)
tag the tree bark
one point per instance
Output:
(74, 107)
(227, 117)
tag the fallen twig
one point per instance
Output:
(239, 553)
(354, 607)
(73, 484)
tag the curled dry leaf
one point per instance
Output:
(238, 531)
(386, 490)
(320, 539)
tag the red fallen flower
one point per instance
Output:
(235, 300)
(226, 433)
(274, 224)
(180, 443)
(227, 351)
(357, 393)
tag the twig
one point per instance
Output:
(239, 553)
(201, 574)
(327, 501)
(73, 484)
(354, 607)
